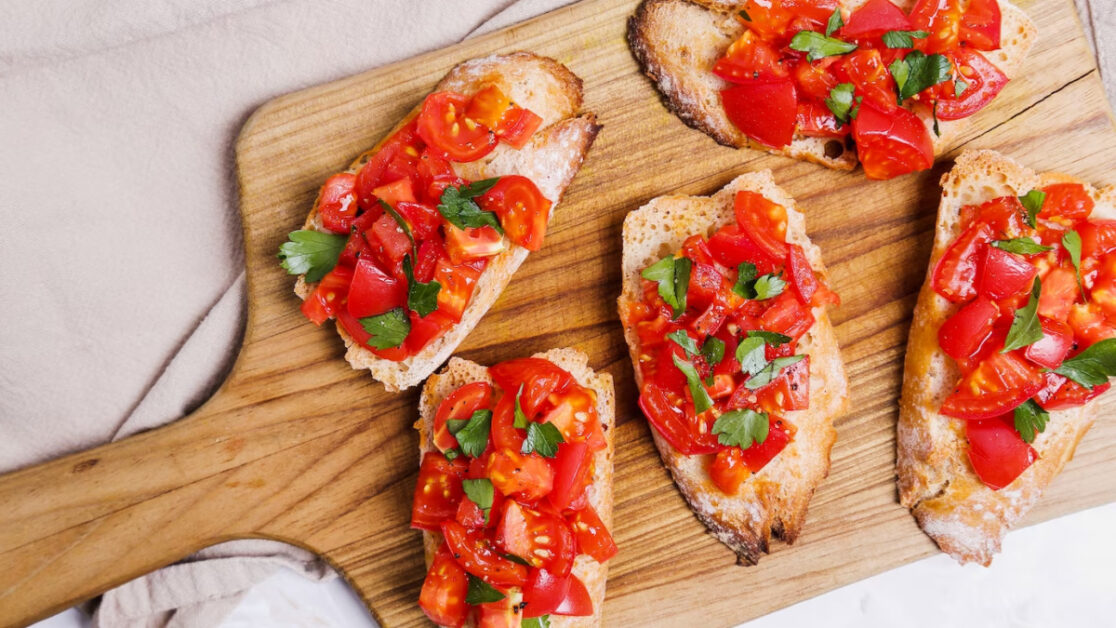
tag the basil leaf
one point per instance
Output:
(454, 425)
(818, 46)
(918, 71)
(752, 355)
(713, 351)
(959, 87)
(516, 559)
(702, 401)
(902, 39)
(772, 338)
(682, 339)
(769, 286)
(311, 253)
(479, 492)
(1033, 201)
(520, 421)
(835, 22)
(403, 226)
(840, 102)
(1072, 243)
(1025, 327)
(451, 454)
(673, 277)
(422, 298)
(745, 280)
(741, 428)
(767, 374)
(542, 621)
(1021, 246)
(1093, 366)
(458, 207)
(1029, 419)
(388, 330)
(473, 437)
(480, 592)
(543, 438)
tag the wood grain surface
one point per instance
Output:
(296, 446)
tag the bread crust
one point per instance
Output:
(936, 481)
(676, 43)
(773, 501)
(551, 159)
(459, 372)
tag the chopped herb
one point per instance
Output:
(311, 253)
(1093, 366)
(767, 374)
(682, 339)
(422, 298)
(902, 39)
(835, 22)
(744, 15)
(818, 46)
(752, 355)
(713, 351)
(1030, 419)
(452, 454)
(840, 102)
(1072, 243)
(768, 286)
(702, 401)
(959, 87)
(772, 338)
(520, 421)
(1021, 246)
(403, 226)
(543, 621)
(1033, 201)
(473, 436)
(918, 71)
(459, 208)
(480, 592)
(387, 330)
(516, 559)
(741, 428)
(542, 438)
(479, 492)
(745, 280)
(673, 276)
(1025, 328)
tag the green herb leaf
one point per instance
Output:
(516, 559)
(702, 401)
(1021, 246)
(745, 280)
(767, 374)
(959, 87)
(542, 621)
(682, 339)
(1030, 419)
(772, 338)
(934, 113)
(741, 428)
(840, 102)
(752, 355)
(835, 22)
(421, 297)
(918, 71)
(1072, 243)
(744, 14)
(902, 39)
(543, 438)
(713, 351)
(673, 277)
(520, 421)
(454, 425)
(818, 46)
(480, 592)
(312, 253)
(403, 226)
(473, 436)
(452, 454)
(1093, 366)
(388, 330)
(1033, 201)
(459, 208)
(1025, 327)
(479, 492)
(768, 286)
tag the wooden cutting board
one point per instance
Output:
(297, 446)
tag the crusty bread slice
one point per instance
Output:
(550, 159)
(677, 42)
(459, 372)
(774, 500)
(936, 481)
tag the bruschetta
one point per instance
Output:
(410, 246)
(724, 308)
(1011, 343)
(514, 494)
(886, 84)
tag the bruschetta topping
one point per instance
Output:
(404, 241)
(802, 68)
(1035, 282)
(718, 327)
(508, 490)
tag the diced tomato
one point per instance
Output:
(540, 379)
(704, 287)
(472, 243)
(522, 209)
(382, 166)
(983, 82)
(488, 106)
(329, 295)
(779, 434)
(527, 476)
(940, 18)
(1060, 393)
(337, 205)
(541, 538)
(816, 120)
(572, 474)
(575, 415)
(423, 218)
(444, 126)
(429, 252)
(815, 80)
(749, 58)
(1103, 292)
(980, 25)
(999, 384)
(577, 602)
(1069, 201)
(728, 470)
(891, 143)
(352, 326)
(722, 386)
(435, 174)
(477, 555)
(789, 391)
(1057, 338)
(374, 291)
(457, 285)
(518, 126)
(437, 491)
(873, 19)
(666, 414)
(765, 111)
(593, 537)
(764, 221)
(731, 246)
(787, 315)
(1004, 274)
(996, 451)
(962, 335)
(460, 404)
(770, 20)
(956, 272)
(1059, 291)
(443, 591)
(389, 240)
(355, 246)
(426, 329)
(1004, 214)
(869, 74)
(1098, 237)
(504, 433)
(1089, 324)
(502, 614)
(802, 277)
(398, 191)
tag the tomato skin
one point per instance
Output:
(779, 434)
(787, 315)
(1059, 291)
(540, 379)
(668, 417)
(749, 58)
(1089, 324)
(891, 143)
(816, 120)
(1057, 338)
(940, 18)
(956, 272)
(529, 477)
(873, 19)
(1098, 237)
(459, 404)
(869, 74)
(444, 589)
(398, 191)
(765, 111)
(373, 291)
(518, 126)
(962, 335)
(502, 614)
(1060, 393)
(437, 491)
(329, 295)
(337, 205)
(575, 415)
(764, 221)
(1069, 201)
(572, 469)
(815, 80)
(458, 282)
(1004, 274)
(429, 252)
(383, 166)
(472, 243)
(728, 470)
(802, 277)
(475, 553)
(984, 81)
(441, 113)
(522, 209)
(547, 594)
(488, 105)
(789, 391)
(591, 534)
(541, 538)
(731, 246)
(999, 384)
(996, 451)
(577, 602)
(389, 241)
(980, 26)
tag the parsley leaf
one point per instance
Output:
(702, 401)
(673, 276)
(767, 374)
(840, 102)
(542, 438)
(1033, 201)
(520, 418)
(818, 46)
(1021, 246)
(835, 22)
(458, 207)
(479, 492)
(480, 592)
(768, 286)
(1025, 328)
(918, 71)
(772, 338)
(1029, 419)
(473, 436)
(421, 297)
(451, 454)
(542, 621)
(1072, 243)
(745, 279)
(902, 39)
(388, 330)
(713, 351)
(1093, 366)
(751, 355)
(682, 339)
(312, 253)
(741, 428)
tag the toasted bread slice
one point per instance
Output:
(936, 481)
(774, 500)
(677, 42)
(459, 372)
(550, 159)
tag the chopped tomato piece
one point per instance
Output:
(940, 18)
(1060, 393)
(477, 555)
(996, 451)
(472, 243)
(382, 167)
(1057, 338)
(575, 415)
(815, 79)
(768, 19)
(749, 58)
(502, 614)
(666, 414)
(764, 221)
(593, 537)
(787, 315)
(444, 126)
(999, 384)
(956, 272)
(423, 218)
(457, 285)
(1004, 274)
(542, 539)
(728, 470)
(779, 434)
(540, 379)
(873, 19)
(504, 433)
(983, 82)
(1090, 324)
(437, 492)
(802, 277)
(731, 246)
(458, 405)
(1059, 291)
(488, 106)
(869, 74)
(518, 126)
(337, 205)
(573, 472)
(962, 335)
(1068, 201)
(789, 391)
(710, 320)
(1098, 237)
(577, 602)
(426, 329)
(443, 591)
(547, 592)
(816, 120)
(429, 252)
(434, 175)
(398, 191)
(522, 209)
(374, 291)
(891, 143)
(980, 26)
(765, 111)
(329, 295)
(389, 240)
(527, 476)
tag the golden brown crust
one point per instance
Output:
(936, 481)
(773, 501)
